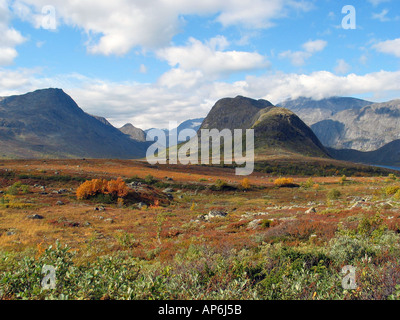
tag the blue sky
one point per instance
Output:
(151, 62)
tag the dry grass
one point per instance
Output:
(165, 229)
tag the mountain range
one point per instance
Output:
(48, 123)
(349, 123)
(173, 135)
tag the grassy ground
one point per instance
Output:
(276, 241)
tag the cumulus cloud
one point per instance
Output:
(382, 16)
(323, 84)
(314, 46)
(298, 58)
(342, 67)
(115, 27)
(389, 47)
(210, 59)
(10, 38)
(154, 105)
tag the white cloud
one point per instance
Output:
(154, 105)
(389, 47)
(180, 78)
(209, 59)
(298, 58)
(143, 69)
(342, 67)
(314, 46)
(377, 2)
(10, 38)
(381, 16)
(115, 27)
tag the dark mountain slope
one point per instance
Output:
(48, 123)
(388, 155)
(277, 130)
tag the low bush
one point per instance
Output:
(333, 194)
(391, 190)
(221, 185)
(98, 187)
(284, 182)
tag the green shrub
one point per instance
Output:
(333, 194)
(17, 187)
(343, 179)
(266, 223)
(220, 185)
(346, 249)
(309, 183)
(391, 190)
(149, 179)
(371, 227)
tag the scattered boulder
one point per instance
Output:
(133, 184)
(358, 204)
(99, 208)
(254, 224)
(213, 214)
(60, 203)
(141, 205)
(311, 210)
(109, 220)
(168, 190)
(217, 213)
(170, 196)
(35, 217)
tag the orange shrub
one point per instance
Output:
(116, 188)
(282, 182)
(245, 184)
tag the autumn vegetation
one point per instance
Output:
(116, 188)
(283, 237)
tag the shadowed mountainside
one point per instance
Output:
(48, 123)
(277, 130)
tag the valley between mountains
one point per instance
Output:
(77, 194)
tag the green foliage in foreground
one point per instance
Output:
(199, 272)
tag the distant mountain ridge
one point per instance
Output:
(312, 111)
(48, 123)
(349, 123)
(133, 132)
(193, 124)
(388, 155)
